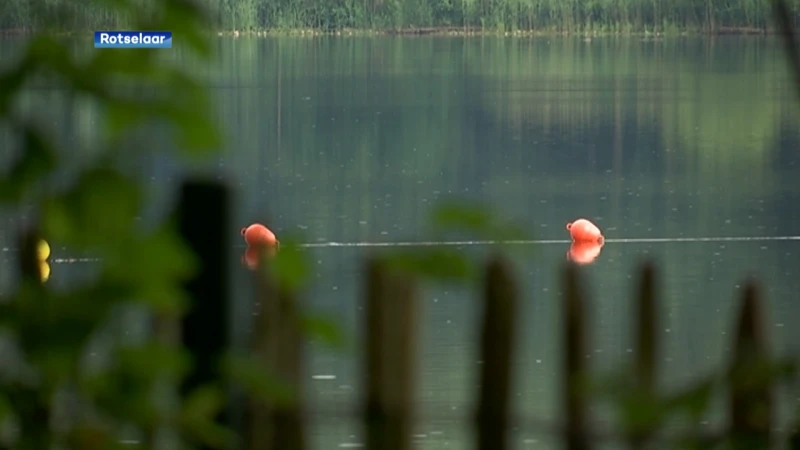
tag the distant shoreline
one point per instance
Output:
(447, 31)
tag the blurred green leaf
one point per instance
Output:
(125, 389)
(91, 436)
(121, 116)
(191, 31)
(58, 325)
(639, 410)
(693, 400)
(437, 263)
(326, 330)
(195, 128)
(37, 160)
(476, 220)
(204, 403)
(155, 264)
(257, 380)
(154, 360)
(11, 82)
(99, 210)
(99, 213)
(6, 408)
(197, 134)
(290, 268)
(123, 397)
(198, 417)
(761, 372)
(455, 216)
(108, 61)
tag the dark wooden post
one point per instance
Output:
(575, 371)
(29, 264)
(32, 409)
(751, 400)
(391, 314)
(203, 215)
(278, 344)
(646, 344)
(497, 345)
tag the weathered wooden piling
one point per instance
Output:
(390, 371)
(751, 401)
(278, 344)
(33, 411)
(497, 344)
(29, 263)
(646, 344)
(203, 214)
(575, 404)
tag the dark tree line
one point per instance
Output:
(603, 16)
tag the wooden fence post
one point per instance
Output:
(497, 344)
(575, 370)
(646, 344)
(278, 342)
(34, 413)
(203, 214)
(750, 396)
(391, 314)
(29, 264)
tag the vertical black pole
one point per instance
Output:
(203, 222)
(28, 262)
(33, 413)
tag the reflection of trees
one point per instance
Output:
(370, 132)
(705, 123)
(726, 134)
(726, 122)
(351, 132)
(373, 131)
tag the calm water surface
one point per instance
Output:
(354, 140)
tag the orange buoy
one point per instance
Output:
(584, 252)
(583, 230)
(257, 234)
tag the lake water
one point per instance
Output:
(669, 146)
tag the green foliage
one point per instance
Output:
(258, 379)
(38, 160)
(467, 221)
(639, 410)
(323, 330)
(53, 331)
(201, 404)
(479, 222)
(436, 263)
(290, 267)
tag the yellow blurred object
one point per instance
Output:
(43, 250)
(44, 271)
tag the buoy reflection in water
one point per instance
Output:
(42, 254)
(254, 255)
(44, 271)
(584, 252)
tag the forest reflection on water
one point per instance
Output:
(679, 149)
